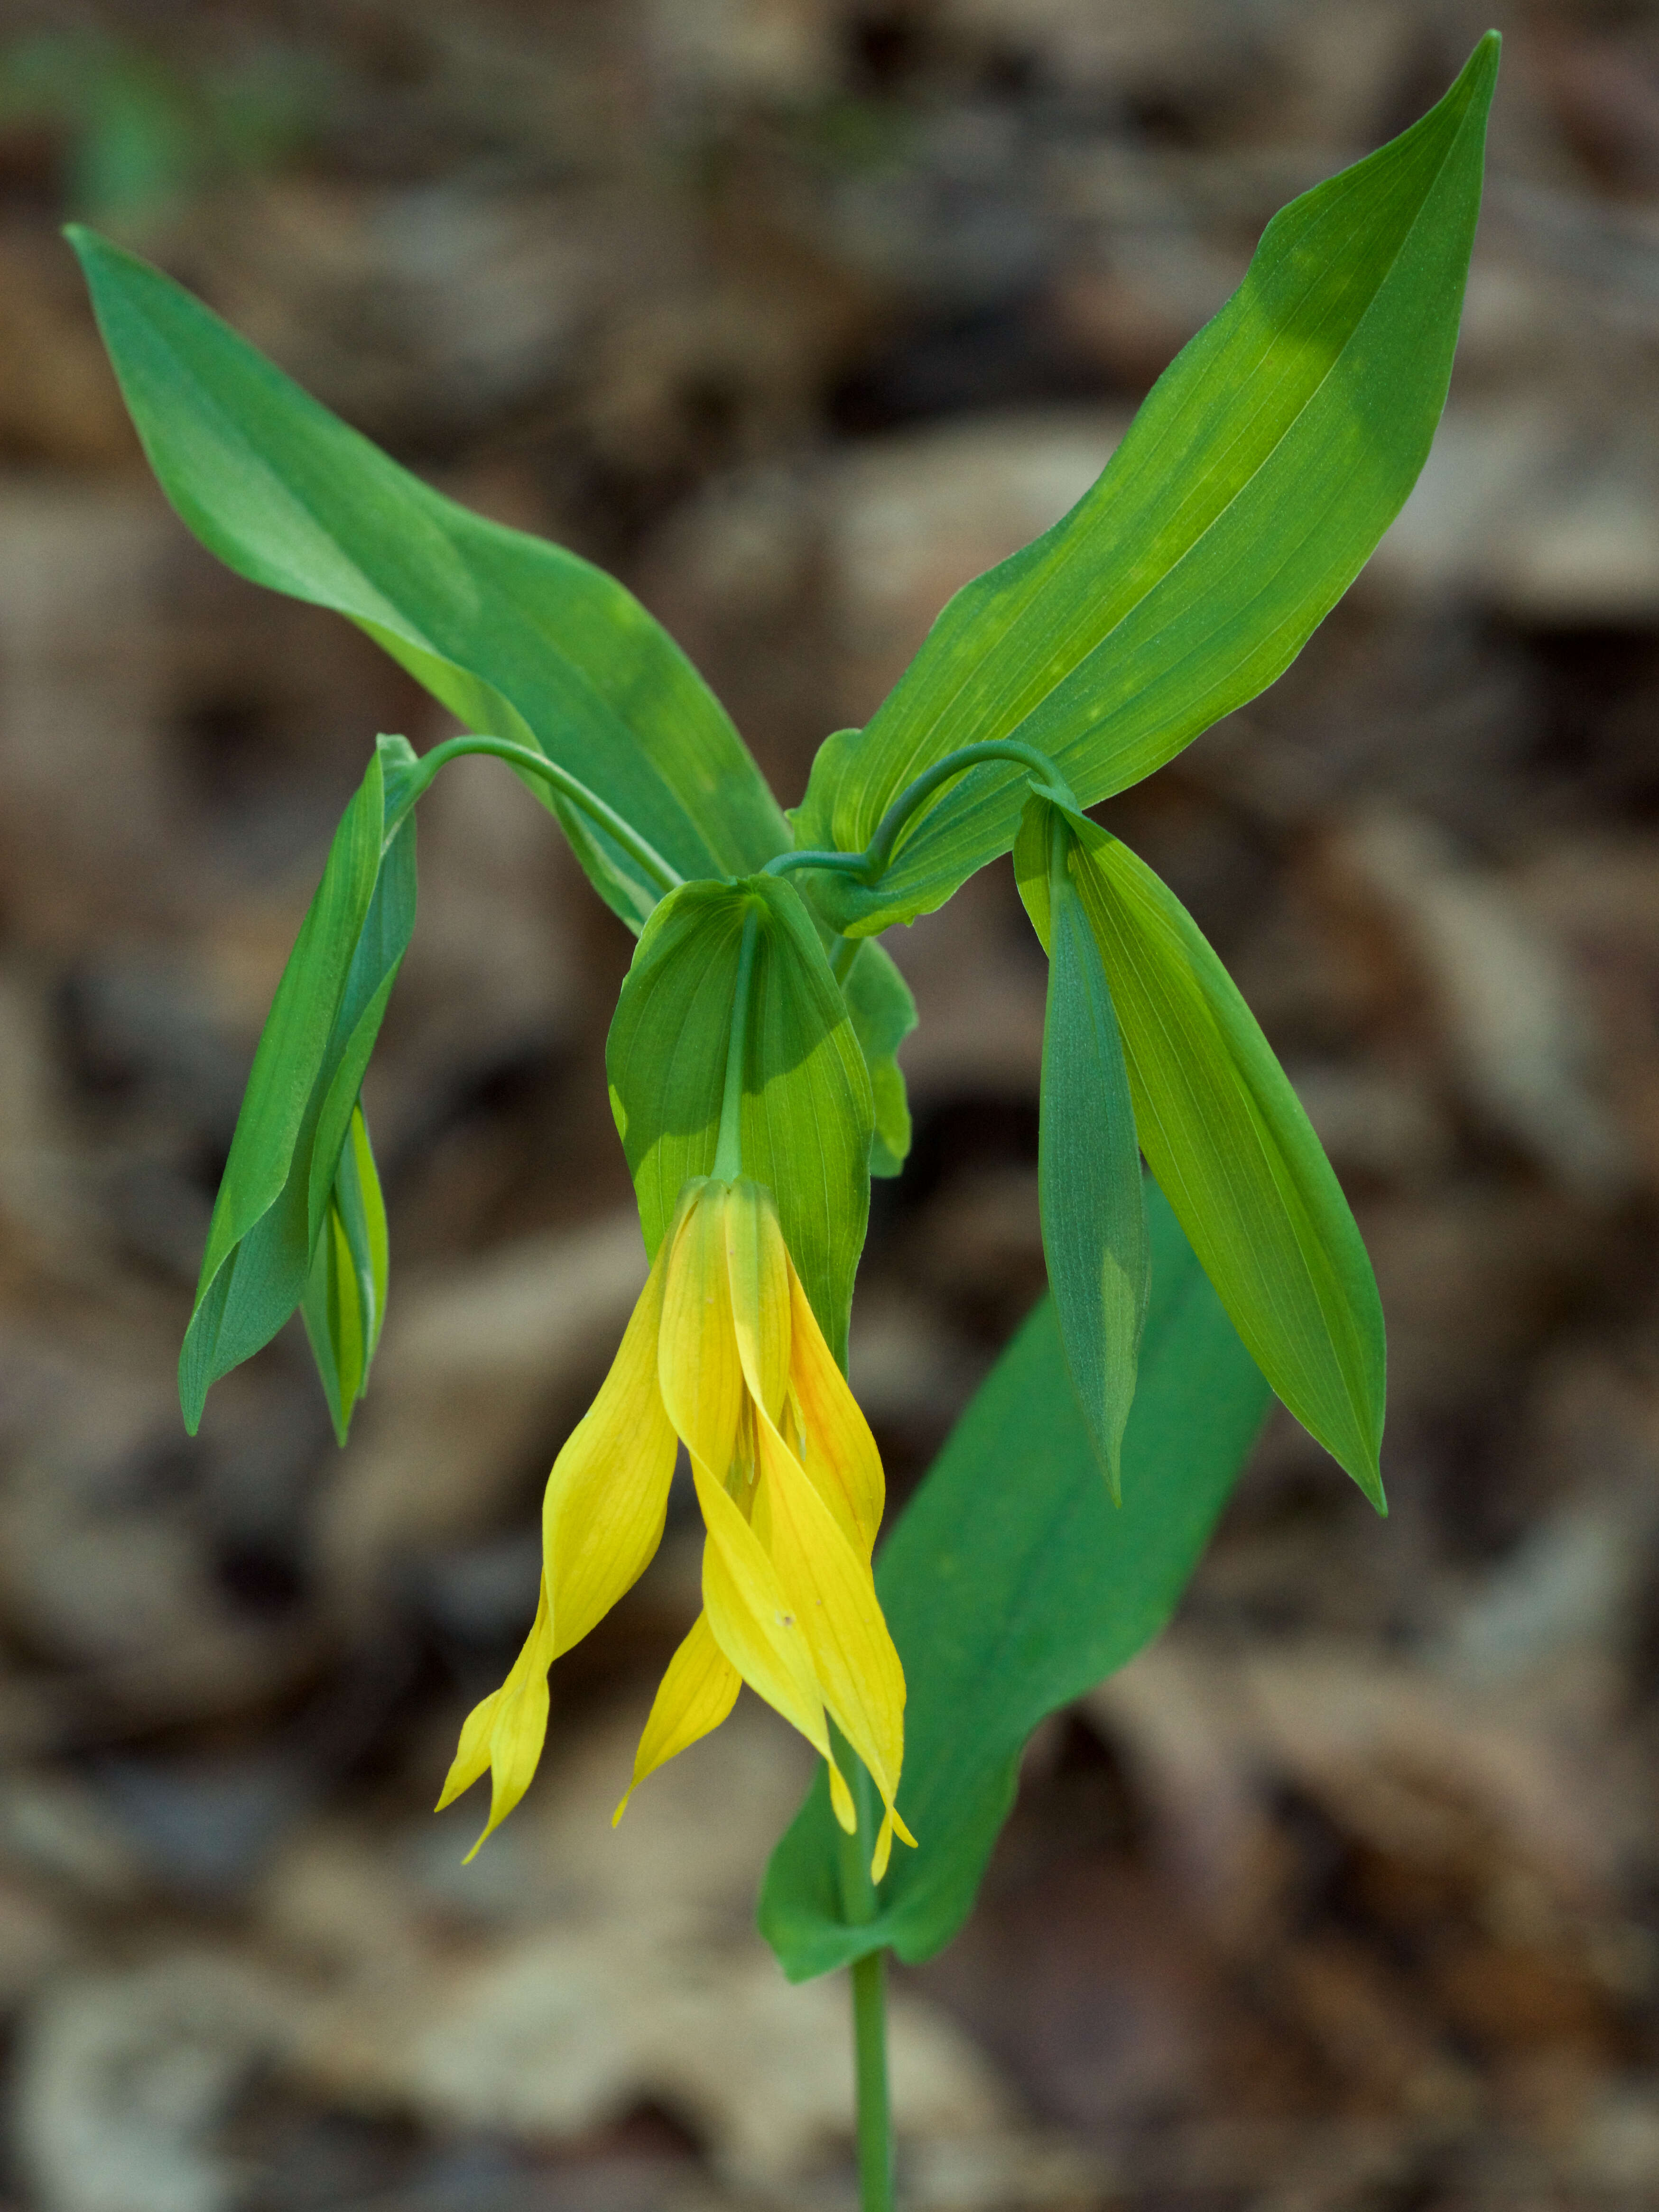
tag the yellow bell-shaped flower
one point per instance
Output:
(723, 1353)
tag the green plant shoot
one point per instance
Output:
(752, 1066)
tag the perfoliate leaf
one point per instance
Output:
(1088, 1170)
(807, 1111)
(280, 1179)
(344, 1301)
(1226, 1137)
(1251, 488)
(518, 637)
(883, 1015)
(1012, 1584)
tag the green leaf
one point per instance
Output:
(1088, 1161)
(518, 637)
(1250, 491)
(1011, 1585)
(1226, 1137)
(807, 1111)
(344, 1301)
(883, 1015)
(278, 1183)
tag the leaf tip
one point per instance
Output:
(1105, 1438)
(1368, 1475)
(88, 245)
(1479, 73)
(193, 1388)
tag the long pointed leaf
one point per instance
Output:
(516, 637)
(1249, 492)
(275, 1195)
(1226, 1137)
(1088, 1161)
(1012, 1584)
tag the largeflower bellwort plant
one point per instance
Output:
(752, 1058)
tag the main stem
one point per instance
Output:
(869, 2045)
(859, 1906)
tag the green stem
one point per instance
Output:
(869, 2046)
(859, 1906)
(665, 876)
(879, 851)
(872, 863)
(729, 1146)
(841, 864)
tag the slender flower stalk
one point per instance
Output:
(869, 864)
(724, 1354)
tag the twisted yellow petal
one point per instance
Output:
(695, 1695)
(842, 1462)
(828, 1585)
(601, 1521)
(699, 1370)
(506, 1732)
(758, 1273)
(751, 1619)
(608, 1495)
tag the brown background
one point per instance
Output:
(797, 314)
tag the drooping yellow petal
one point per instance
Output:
(472, 1760)
(699, 1370)
(751, 1620)
(507, 1731)
(601, 1519)
(828, 1586)
(841, 1800)
(841, 1459)
(757, 1271)
(883, 1852)
(695, 1695)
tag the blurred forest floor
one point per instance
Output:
(797, 314)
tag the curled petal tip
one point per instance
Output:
(892, 1825)
(841, 1798)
